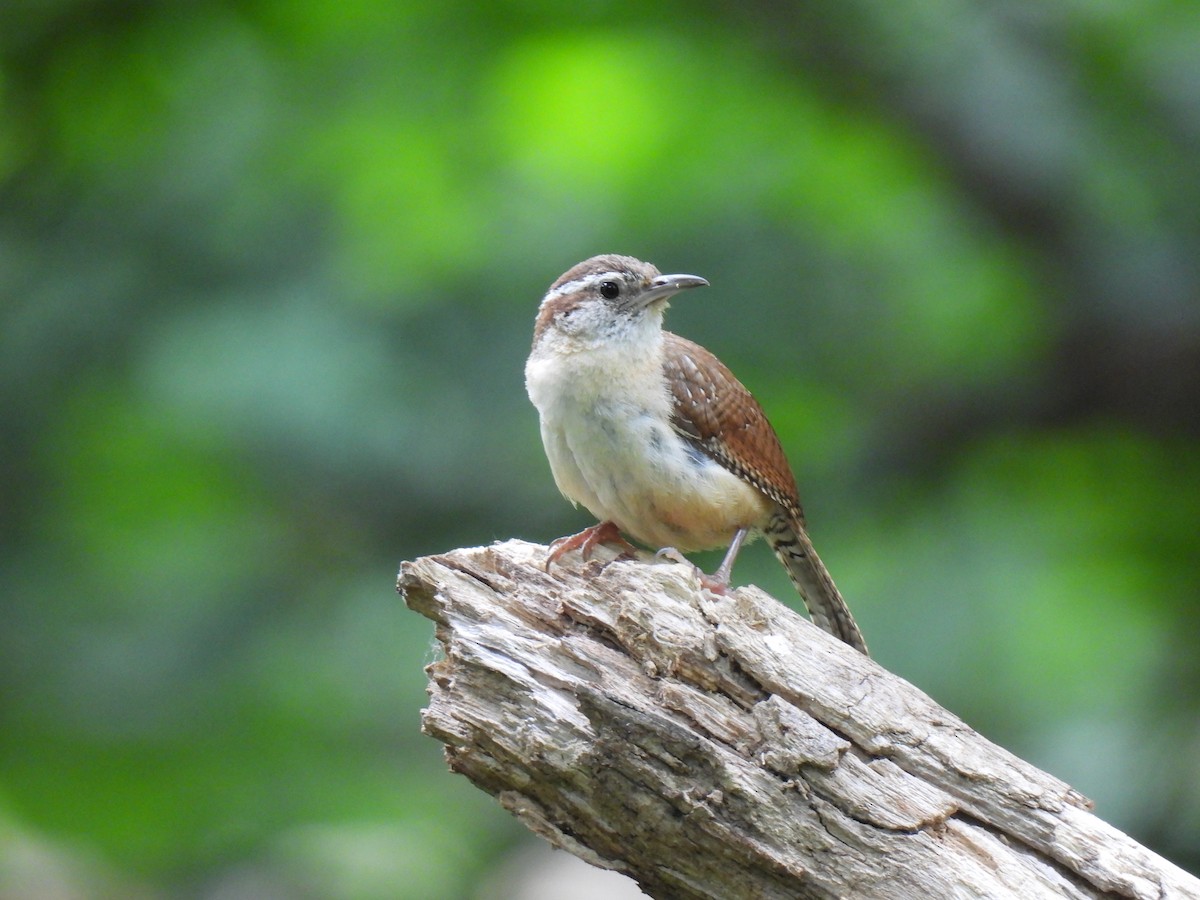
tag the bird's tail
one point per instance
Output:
(789, 540)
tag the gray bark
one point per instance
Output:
(723, 747)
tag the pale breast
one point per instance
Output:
(625, 464)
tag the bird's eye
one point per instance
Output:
(610, 290)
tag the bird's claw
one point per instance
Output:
(587, 540)
(714, 583)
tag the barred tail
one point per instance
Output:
(828, 610)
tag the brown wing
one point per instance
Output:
(716, 413)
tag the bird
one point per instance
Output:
(658, 439)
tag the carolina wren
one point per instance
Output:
(657, 438)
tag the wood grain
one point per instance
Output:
(723, 747)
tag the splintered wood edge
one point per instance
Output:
(621, 712)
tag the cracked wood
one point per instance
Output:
(723, 747)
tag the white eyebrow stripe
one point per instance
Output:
(571, 286)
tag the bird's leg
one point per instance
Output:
(718, 581)
(585, 542)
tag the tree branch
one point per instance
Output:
(717, 747)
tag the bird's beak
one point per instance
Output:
(665, 286)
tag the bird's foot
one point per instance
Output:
(715, 582)
(674, 556)
(585, 542)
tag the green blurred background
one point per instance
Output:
(268, 272)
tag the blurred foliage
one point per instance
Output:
(267, 277)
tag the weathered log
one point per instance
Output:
(723, 747)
